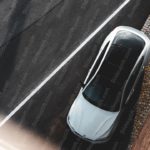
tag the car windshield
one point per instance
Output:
(106, 88)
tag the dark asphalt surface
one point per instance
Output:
(16, 16)
(37, 49)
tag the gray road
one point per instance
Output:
(16, 16)
(35, 41)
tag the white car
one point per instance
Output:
(109, 85)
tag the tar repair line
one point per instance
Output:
(33, 92)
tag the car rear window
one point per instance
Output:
(106, 88)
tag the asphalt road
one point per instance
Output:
(33, 48)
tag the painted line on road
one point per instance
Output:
(34, 91)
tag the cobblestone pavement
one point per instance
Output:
(143, 105)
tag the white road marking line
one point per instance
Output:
(34, 91)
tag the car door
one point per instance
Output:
(132, 82)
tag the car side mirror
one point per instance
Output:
(82, 84)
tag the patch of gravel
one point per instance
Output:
(146, 27)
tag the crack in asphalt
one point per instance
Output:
(33, 23)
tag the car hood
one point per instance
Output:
(90, 121)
